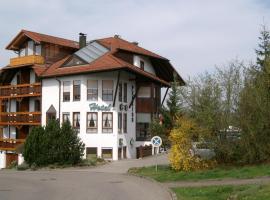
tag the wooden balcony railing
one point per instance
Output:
(10, 144)
(20, 118)
(26, 60)
(21, 90)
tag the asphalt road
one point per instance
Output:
(92, 184)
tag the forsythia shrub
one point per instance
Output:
(181, 138)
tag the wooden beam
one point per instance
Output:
(134, 96)
(116, 90)
(164, 96)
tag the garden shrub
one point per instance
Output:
(181, 137)
(53, 144)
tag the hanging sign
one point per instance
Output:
(96, 107)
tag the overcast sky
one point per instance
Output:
(195, 35)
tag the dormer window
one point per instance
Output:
(37, 49)
(141, 64)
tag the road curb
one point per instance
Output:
(169, 190)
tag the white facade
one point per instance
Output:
(99, 140)
(147, 64)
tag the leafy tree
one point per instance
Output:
(53, 144)
(254, 105)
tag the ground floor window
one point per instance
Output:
(91, 152)
(107, 153)
(142, 126)
(66, 117)
(76, 120)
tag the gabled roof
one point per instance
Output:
(115, 43)
(107, 62)
(100, 60)
(23, 35)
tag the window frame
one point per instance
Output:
(73, 118)
(107, 94)
(104, 128)
(66, 92)
(120, 123)
(125, 93)
(74, 95)
(63, 118)
(94, 95)
(144, 97)
(120, 93)
(142, 64)
(107, 148)
(91, 155)
(87, 122)
(124, 122)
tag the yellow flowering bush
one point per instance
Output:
(181, 158)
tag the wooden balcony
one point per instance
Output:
(20, 118)
(19, 91)
(26, 60)
(10, 144)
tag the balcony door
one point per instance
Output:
(25, 76)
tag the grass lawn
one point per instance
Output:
(243, 192)
(165, 174)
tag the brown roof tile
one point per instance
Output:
(115, 43)
(39, 37)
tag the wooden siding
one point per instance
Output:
(128, 57)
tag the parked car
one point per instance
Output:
(203, 150)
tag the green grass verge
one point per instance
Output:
(243, 192)
(166, 174)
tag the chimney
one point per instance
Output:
(117, 36)
(82, 40)
(136, 43)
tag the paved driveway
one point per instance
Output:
(93, 184)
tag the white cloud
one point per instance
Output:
(195, 35)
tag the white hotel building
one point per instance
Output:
(109, 89)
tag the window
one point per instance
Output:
(66, 117)
(125, 122)
(125, 92)
(92, 90)
(144, 92)
(37, 105)
(107, 153)
(76, 120)
(107, 90)
(120, 92)
(120, 122)
(76, 90)
(92, 119)
(66, 91)
(141, 64)
(107, 122)
(37, 49)
(142, 126)
(91, 152)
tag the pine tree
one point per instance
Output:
(173, 102)
(254, 105)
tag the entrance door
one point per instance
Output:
(11, 157)
(119, 153)
(125, 152)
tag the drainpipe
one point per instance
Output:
(59, 94)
